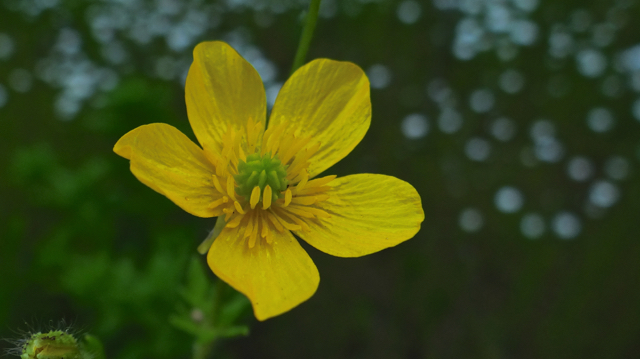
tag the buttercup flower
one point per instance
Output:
(264, 183)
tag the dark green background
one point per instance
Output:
(82, 239)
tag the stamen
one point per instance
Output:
(235, 221)
(254, 235)
(266, 197)
(301, 223)
(249, 229)
(315, 211)
(238, 207)
(300, 211)
(295, 148)
(216, 184)
(298, 164)
(285, 142)
(241, 154)
(231, 190)
(249, 128)
(218, 202)
(228, 142)
(229, 213)
(312, 190)
(275, 222)
(255, 197)
(273, 140)
(321, 181)
(285, 224)
(309, 200)
(265, 137)
(313, 149)
(303, 177)
(253, 139)
(287, 197)
(265, 227)
(220, 165)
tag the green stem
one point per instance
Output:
(202, 351)
(307, 34)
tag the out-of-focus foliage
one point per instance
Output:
(516, 120)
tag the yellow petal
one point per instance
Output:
(328, 101)
(222, 89)
(166, 160)
(275, 277)
(368, 213)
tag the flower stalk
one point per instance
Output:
(307, 34)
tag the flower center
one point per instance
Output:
(275, 174)
(259, 176)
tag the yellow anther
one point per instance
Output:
(321, 197)
(300, 162)
(287, 225)
(266, 197)
(241, 154)
(217, 202)
(309, 200)
(238, 207)
(275, 222)
(321, 181)
(273, 141)
(301, 223)
(231, 189)
(235, 221)
(312, 190)
(254, 236)
(216, 184)
(294, 149)
(287, 197)
(229, 212)
(313, 149)
(304, 177)
(249, 228)
(317, 212)
(265, 227)
(255, 197)
(299, 211)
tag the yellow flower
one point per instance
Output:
(264, 182)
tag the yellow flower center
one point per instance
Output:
(271, 170)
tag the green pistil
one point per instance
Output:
(261, 171)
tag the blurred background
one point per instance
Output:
(518, 121)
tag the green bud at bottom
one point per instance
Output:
(55, 344)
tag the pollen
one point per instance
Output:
(264, 184)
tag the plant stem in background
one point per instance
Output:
(202, 351)
(307, 34)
